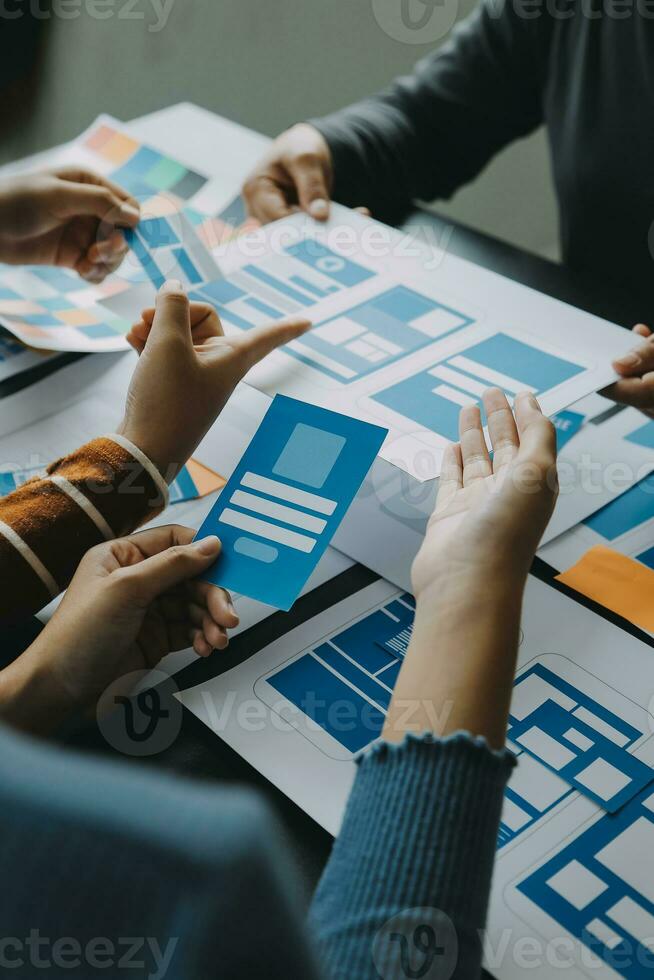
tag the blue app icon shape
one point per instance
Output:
(285, 499)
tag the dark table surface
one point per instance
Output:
(197, 752)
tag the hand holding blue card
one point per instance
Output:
(286, 497)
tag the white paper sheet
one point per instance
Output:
(428, 317)
(311, 768)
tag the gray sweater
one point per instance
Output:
(512, 66)
(190, 881)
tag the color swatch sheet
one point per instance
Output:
(580, 795)
(54, 309)
(286, 498)
(401, 337)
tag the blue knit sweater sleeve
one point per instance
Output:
(409, 876)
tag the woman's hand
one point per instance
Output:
(490, 513)
(295, 174)
(68, 217)
(186, 372)
(637, 371)
(131, 602)
(470, 573)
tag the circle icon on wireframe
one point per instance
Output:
(417, 943)
(330, 263)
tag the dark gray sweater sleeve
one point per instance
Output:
(410, 873)
(434, 130)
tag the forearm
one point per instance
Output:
(419, 833)
(435, 129)
(101, 491)
(459, 668)
(31, 699)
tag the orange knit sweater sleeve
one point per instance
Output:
(103, 490)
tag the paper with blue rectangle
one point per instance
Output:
(286, 498)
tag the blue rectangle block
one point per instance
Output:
(567, 424)
(350, 672)
(187, 266)
(279, 285)
(364, 641)
(323, 697)
(60, 279)
(529, 365)
(221, 291)
(321, 258)
(404, 304)
(643, 436)
(414, 398)
(157, 232)
(625, 512)
(314, 486)
(182, 488)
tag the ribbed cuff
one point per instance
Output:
(420, 831)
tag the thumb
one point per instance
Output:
(96, 201)
(311, 186)
(172, 313)
(153, 576)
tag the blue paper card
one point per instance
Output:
(286, 498)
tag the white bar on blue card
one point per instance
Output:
(265, 530)
(578, 739)
(279, 512)
(445, 373)
(452, 395)
(339, 331)
(437, 322)
(488, 374)
(601, 726)
(624, 856)
(294, 495)
(546, 748)
(602, 932)
(322, 359)
(513, 816)
(634, 919)
(577, 885)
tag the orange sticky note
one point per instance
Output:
(205, 479)
(619, 583)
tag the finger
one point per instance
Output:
(502, 429)
(451, 478)
(217, 601)
(155, 575)
(537, 433)
(636, 361)
(637, 392)
(97, 201)
(205, 323)
(80, 175)
(108, 249)
(311, 187)
(364, 211)
(199, 643)
(258, 342)
(474, 451)
(172, 317)
(154, 540)
(266, 200)
(642, 330)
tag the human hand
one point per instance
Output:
(186, 372)
(637, 371)
(131, 602)
(295, 174)
(66, 217)
(490, 514)
(470, 573)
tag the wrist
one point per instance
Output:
(32, 696)
(154, 454)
